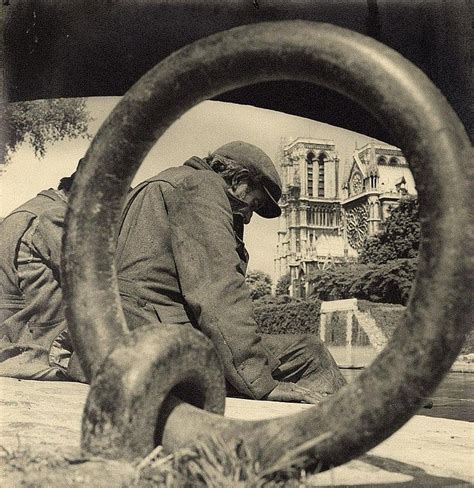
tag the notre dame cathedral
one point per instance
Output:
(329, 208)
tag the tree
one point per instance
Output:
(399, 240)
(374, 251)
(39, 122)
(260, 284)
(283, 285)
(389, 283)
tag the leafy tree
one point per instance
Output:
(260, 284)
(39, 122)
(283, 285)
(373, 251)
(389, 283)
(400, 238)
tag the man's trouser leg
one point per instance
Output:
(304, 359)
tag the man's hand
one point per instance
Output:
(291, 392)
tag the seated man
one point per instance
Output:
(181, 260)
(34, 343)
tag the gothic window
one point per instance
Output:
(373, 181)
(381, 160)
(321, 159)
(393, 161)
(309, 162)
(356, 184)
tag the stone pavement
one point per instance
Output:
(426, 452)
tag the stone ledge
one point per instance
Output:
(425, 452)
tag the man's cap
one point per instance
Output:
(261, 169)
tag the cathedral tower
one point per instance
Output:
(309, 235)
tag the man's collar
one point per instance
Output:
(197, 163)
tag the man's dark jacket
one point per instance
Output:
(179, 261)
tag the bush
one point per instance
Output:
(274, 300)
(260, 284)
(294, 317)
(387, 283)
(400, 237)
(283, 285)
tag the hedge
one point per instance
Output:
(284, 315)
(294, 317)
(387, 283)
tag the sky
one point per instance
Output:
(198, 132)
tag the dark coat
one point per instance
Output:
(179, 261)
(31, 309)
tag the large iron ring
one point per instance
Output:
(124, 414)
(423, 125)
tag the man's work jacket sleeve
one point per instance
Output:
(39, 265)
(212, 282)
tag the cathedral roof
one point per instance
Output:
(385, 162)
(309, 141)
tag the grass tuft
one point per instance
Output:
(217, 463)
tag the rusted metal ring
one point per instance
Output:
(424, 126)
(122, 414)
